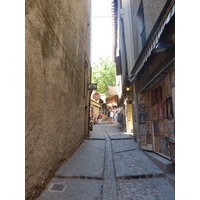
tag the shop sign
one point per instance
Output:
(92, 86)
(96, 96)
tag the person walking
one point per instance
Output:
(111, 116)
(100, 117)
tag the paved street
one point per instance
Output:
(108, 165)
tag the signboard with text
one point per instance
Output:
(92, 86)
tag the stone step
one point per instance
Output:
(164, 164)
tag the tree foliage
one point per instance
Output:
(104, 74)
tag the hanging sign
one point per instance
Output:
(92, 86)
(96, 96)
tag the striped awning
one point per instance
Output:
(154, 41)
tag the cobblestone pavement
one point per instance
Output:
(108, 166)
(145, 189)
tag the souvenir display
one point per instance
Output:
(167, 145)
(172, 151)
(154, 112)
(170, 125)
(159, 94)
(172, 76)
(147, 113)
(167, 86)
(162, 145)
(148, 124)
(156, 128)
(148, 131)
(143, 139)
(163, 90)
(143, 129)
(141, 109)
(142, 119)
(160, 111)
(161, 127)
(153, 97)
(164, 110)
(140, 98)
(169, 108)
(157, 144)
(166, 132)
(147, 98)
(149, 139)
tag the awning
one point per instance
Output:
(154, 41)
(112, 99)
(118, 65)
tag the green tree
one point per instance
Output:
(104, 74)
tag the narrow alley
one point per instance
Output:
(109, 165)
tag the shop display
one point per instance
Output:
(154, 112)
(153, 97)
(163, 90)
(149, 139)
(161, 127)
(142, 119)
(141, 109)
(172, 151)
(170, 125)
(147, 113)
(157, 144)
(167, 145)
(143, 139)
(169, 108)
(156, 128)
(148, 124)
(164, 110)
(167, 86)
(159, 94)
(140, 98)
(143, 129)
(160, 111)
(172, 76)
(147, 98)
(166, 133)
(162, 145)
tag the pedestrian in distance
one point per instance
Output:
(100, 117)
(111, 116)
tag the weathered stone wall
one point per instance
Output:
(56, 39)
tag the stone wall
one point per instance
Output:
(56, 39)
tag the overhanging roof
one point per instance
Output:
(165, 16)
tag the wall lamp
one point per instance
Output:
(164, 47)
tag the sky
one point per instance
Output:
(101, 31)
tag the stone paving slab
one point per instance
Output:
(86, 162)
(72, 189)
(145, 189)
(97, 132)
(123, 145)
(134, 164)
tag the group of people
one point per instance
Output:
(111, 115)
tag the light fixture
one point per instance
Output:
(127, 88)
(163, 47)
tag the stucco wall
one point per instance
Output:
(56, 39)
(152, 10)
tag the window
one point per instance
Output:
(140, 14)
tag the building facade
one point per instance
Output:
(57, 74)
(144, 52)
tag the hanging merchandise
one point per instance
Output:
(153, 97)
(147, 99)
(161, 127)
(167, 145)
(141, 109)
(156, 128)
(157, 144)
(159, 94)
(169, 108)
(170, 125)
(162, 145)
(160, 110)
(142, 119)
(154, 112)
(140, 98)
(149, 139)
(143, 140)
